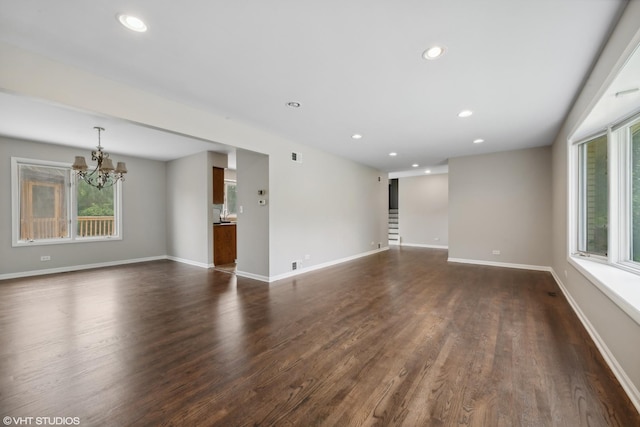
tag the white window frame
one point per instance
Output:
(619, 218)
(580, 197)
(71, 207)
(621, 134)
(615, 275)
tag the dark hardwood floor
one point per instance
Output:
(397, 338)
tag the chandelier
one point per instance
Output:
(104, 174)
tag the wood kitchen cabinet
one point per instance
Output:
(224, 244)
(218, 186)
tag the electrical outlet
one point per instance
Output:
(496, 252)
(45, 258)
(307, 257)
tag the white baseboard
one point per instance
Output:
(78, 267)
(501, 264)
(190, 262)
(421, 245)
(324, 265)
(252, 276)
(620, 374)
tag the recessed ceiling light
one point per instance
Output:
(433, 52)
(427, 171)
(478, 141)
(293, 104)
(465, 113)
(415, 165)
(356, 136)
(132, 22)
(393, 154)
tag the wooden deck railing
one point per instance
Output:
(43, 228)
(53, 228)
(95, 226)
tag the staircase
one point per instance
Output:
(394, 236)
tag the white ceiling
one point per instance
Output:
(355, 66)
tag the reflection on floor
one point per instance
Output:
(227, 268)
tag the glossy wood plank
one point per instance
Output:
(397, 338)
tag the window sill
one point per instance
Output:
(622, 287)
(47, 242)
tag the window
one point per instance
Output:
(608, 196)
(593, 196)
(96, 210)
(635, 192)
(230, 207)
(51, 206)
(44, 212)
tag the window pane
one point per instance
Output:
(43, 202)
(595, 194)
(230, 198)
(635, 192)
(95, 210)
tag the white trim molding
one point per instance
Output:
(253, 276)
(324, 265)
(422, 245)
(501, 264)
(78, 267)
(190, 262)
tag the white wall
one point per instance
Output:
(330, 208)
(501, 201)
(188, 206)
(325, 207)
(423, 206)
(253, 222)
(143, 204)
(614, 331)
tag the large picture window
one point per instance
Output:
(51, 206)
(608, 196)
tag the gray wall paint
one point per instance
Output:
(188, 206)
(143, 204)
(615, 328)
(253, 222)
(501, 201)
(329, 209)
(326, 207)
(424, 210)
